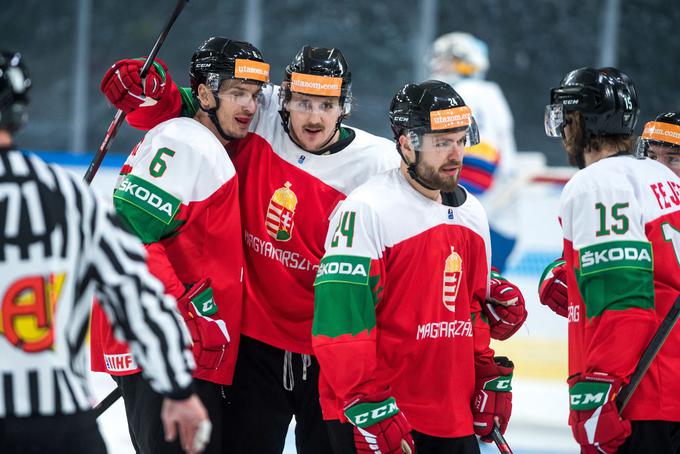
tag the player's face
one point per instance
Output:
(441, 158)
(571, 136)
(668, 156)
(238, 104)
(313, 120)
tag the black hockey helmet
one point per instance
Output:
(664, 131)
(605, 97)
(219, 59)
(15, 83)
(429, 107)
(326, 62)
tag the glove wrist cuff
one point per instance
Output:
(548, 269)
(365, 414)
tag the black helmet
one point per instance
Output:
(412, 109)
(605, 97)
(664, 131)
(15, 84)
(219, 58)
(429, 107)
(320, 62)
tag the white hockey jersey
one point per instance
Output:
(397, 304)
(621, 222)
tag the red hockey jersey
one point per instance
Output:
(287, 197)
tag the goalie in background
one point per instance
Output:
(462, 61)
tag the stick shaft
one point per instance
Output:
(120, 115)
(648, 355)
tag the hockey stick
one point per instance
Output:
(109, 400)
(499, 439)
(648, 355)
(106, 402)
(120, 115)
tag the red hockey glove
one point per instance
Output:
(552, 287)
(492, 397)
(593, 416)
(379, 426)
(505, 308)
(124, 88)
(210, 336)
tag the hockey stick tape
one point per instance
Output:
(202, 435)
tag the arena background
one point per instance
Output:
(68, 45)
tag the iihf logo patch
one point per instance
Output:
(450, 213)
(301, 159)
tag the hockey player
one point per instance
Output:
(490, 167)
(178, 192)
(59, 243)
(398, 327)
(295, 167)
(620, 218)
(660, 141)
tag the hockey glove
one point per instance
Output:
(492, 397)
(379, 426)
(552, 287)
(125, 89)
(593, 416)
(210, 336)
(505, 308)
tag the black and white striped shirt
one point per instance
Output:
(60, 246)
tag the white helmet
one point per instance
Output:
(461, 53)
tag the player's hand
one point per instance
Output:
(125, 89)
(379, 426)
(505, 309)
(189, 418)
(492, 400)
(210, 336)
(593, 416)
(552, 287)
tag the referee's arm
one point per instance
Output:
(140, 312)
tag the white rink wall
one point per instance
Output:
(539, 420)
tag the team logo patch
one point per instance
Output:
(27, 315)
(279, 220)
(453, 273)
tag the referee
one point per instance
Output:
(59, 247)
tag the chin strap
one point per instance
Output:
(212, 114)
(411, 169)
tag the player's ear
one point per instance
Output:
(205, 97)
(406, 147)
